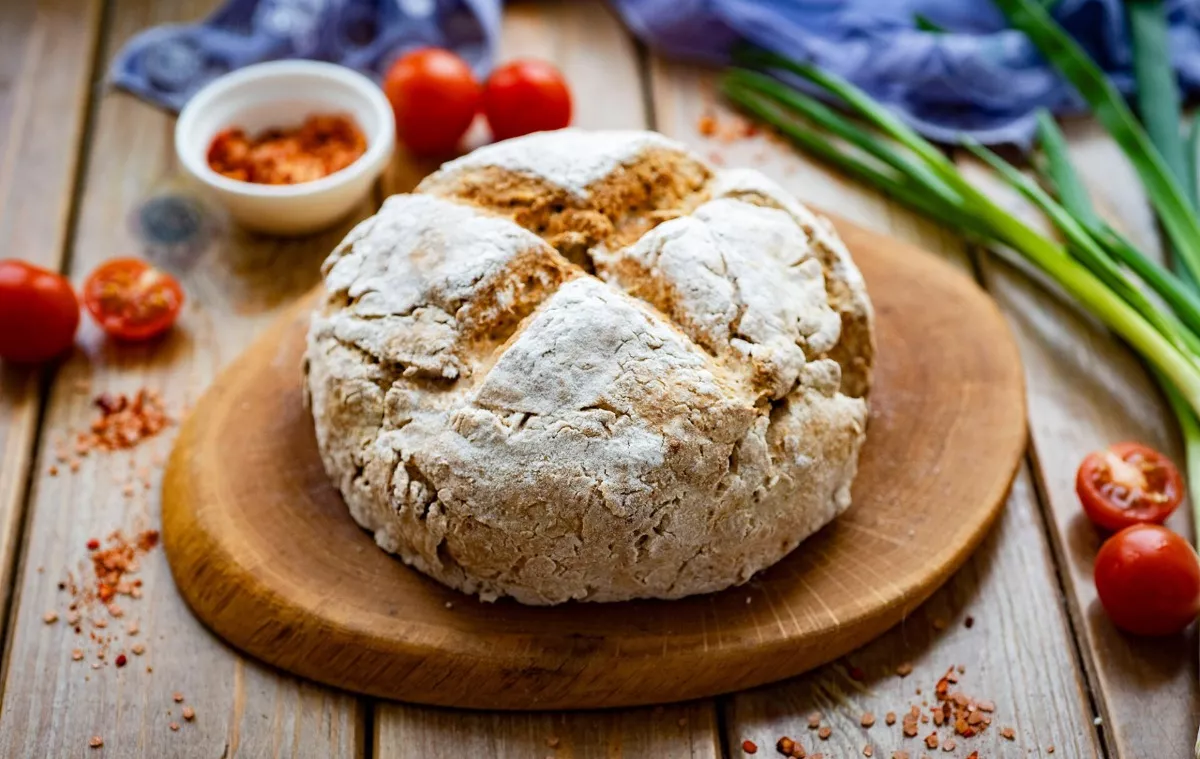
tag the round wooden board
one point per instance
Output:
(264, 551)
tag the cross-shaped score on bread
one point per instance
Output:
(588, 365)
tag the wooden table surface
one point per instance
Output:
(1021, 618)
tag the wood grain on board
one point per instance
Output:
(53, 705)
(1018, 652)
(47, 49)
(1086, 391)
(598, 58)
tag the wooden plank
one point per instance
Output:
(1087, 390)
(679, 731)
(53, 705)
(1018, 653)
(600, 62)
(47, 49)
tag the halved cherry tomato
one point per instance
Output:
(38, 313)
(131, 300)
(526, 96)
(1128, 484)
(1148, 580)
(435, 97)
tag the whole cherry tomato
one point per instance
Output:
(435, 97)
(131, 300)
(38, 313)
(1148, 579)
(526, 96)
(1128, 484)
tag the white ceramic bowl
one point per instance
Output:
(282, 94)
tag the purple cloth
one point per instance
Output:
(976, 78)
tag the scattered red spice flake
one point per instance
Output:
(969, 622)
(949, 745)
(986, 705)
(825, 732)
(177, 697)
(50, 617)
(868, 751)
(814, 720)
(190, 714)
(931, 740)
(77, 654)
(124, 421)
(121, 660)
(973, 755)
(52, 471)
(750, 747)
(93, 544)
(95, 741)
(707, 125)
(901, 755)
(1008, 733)
(867, 720)
(904, 669)
(788, 747)
(1050, 749)
(174, 726)
(890, 718)
(137, 649)
(856, 673)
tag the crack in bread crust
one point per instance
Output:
(587, 366)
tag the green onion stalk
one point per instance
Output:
(882, 150)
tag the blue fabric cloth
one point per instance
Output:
(167, 64)
(977, 78)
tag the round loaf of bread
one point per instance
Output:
(587, 365)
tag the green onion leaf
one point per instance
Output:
(1166, 193)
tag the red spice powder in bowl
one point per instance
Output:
(285, 96)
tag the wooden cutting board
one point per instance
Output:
(265, 553)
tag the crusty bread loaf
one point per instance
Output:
(586, 365)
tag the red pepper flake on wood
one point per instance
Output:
(124, 421)
(95, 741)
(868, 751)
(824, 733)
(174, 726)
(190, 714)
(121, 660)
(890, 718)
(903, 755)
(904, 669)
(1008, 733)
(788, 747)
(931, 740)
(814, 720)
(867, 720)
(750, 747)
